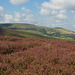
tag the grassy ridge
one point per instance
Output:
(10, 32)
(44, 31)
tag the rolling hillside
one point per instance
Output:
(59, 33)
(10, 32)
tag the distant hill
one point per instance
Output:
(56, 32)
(10, 32)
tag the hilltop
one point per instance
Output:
(56, 32)
(11, 32)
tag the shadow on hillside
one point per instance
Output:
(5, 25)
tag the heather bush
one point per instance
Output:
(28, 56)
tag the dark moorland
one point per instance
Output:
(35, 56)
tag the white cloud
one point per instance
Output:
(18, 2)
(1, 14)
(23, 17)
(57, 21)
(54, 8)
(29, 18)
(5, 18)
(2, 17)
(26, 10)
(8, 18)
(54, 12)
(60, 4)
(73, 12)
(61, 16)
(18, 15)
(73, 25)
(53, 4)
(63, 11)
(1, 8)
(45, 11)
(69, 4)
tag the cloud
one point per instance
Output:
(53, 13)
(60, 4)
(61, 16)
(57, 21)
(53, 4)
(8, 18)
(18, 15)
(45, 11)
(26, 10)
(23, 17)
(53, 7)
(1, 8)
(73, 25)
(69, 4)
(5, 18)
(2, 18)
(1, 14)
(18, 2)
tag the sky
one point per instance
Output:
(48, 13)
